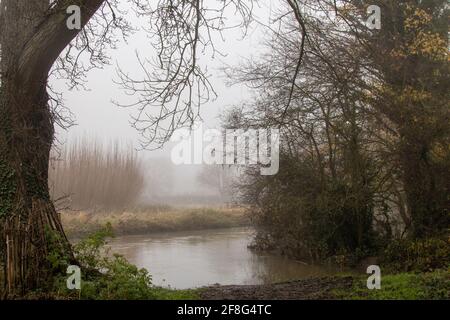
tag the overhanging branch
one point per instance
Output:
(50, 39)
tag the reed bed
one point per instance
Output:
(88, 174)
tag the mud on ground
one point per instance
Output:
(314, 288)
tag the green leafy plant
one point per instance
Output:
(418, 255)
(108, 276)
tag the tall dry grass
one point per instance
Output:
(154, 219)
(90, 175)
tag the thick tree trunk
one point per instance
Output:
(32, 36)
(426, 192)
(30, 226)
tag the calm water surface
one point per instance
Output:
(199, 258)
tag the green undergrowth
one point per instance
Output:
(106, 276)
(403, 286)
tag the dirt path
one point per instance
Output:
(314, 288)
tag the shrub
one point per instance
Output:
(104, 276)
(301, 216)
(111, 277)
(418, 255)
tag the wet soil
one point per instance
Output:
(307, 289)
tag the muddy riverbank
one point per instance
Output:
(313, 288)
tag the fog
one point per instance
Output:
(96, 116)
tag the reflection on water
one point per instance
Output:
(199, 258)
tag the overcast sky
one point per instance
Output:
(96, 115)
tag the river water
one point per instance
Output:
(200, 258)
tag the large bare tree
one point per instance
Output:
(33, 34)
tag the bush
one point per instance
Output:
(111, 277)
(121, 280)
(418, 255)
(301, 216)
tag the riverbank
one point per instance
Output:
(307, 289)
(404, 286)
(153, 220)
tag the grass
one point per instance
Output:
(403, 286)
(171, 294)
(152, 220)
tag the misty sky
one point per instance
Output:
(96, 115)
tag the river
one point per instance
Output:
(199, 258)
